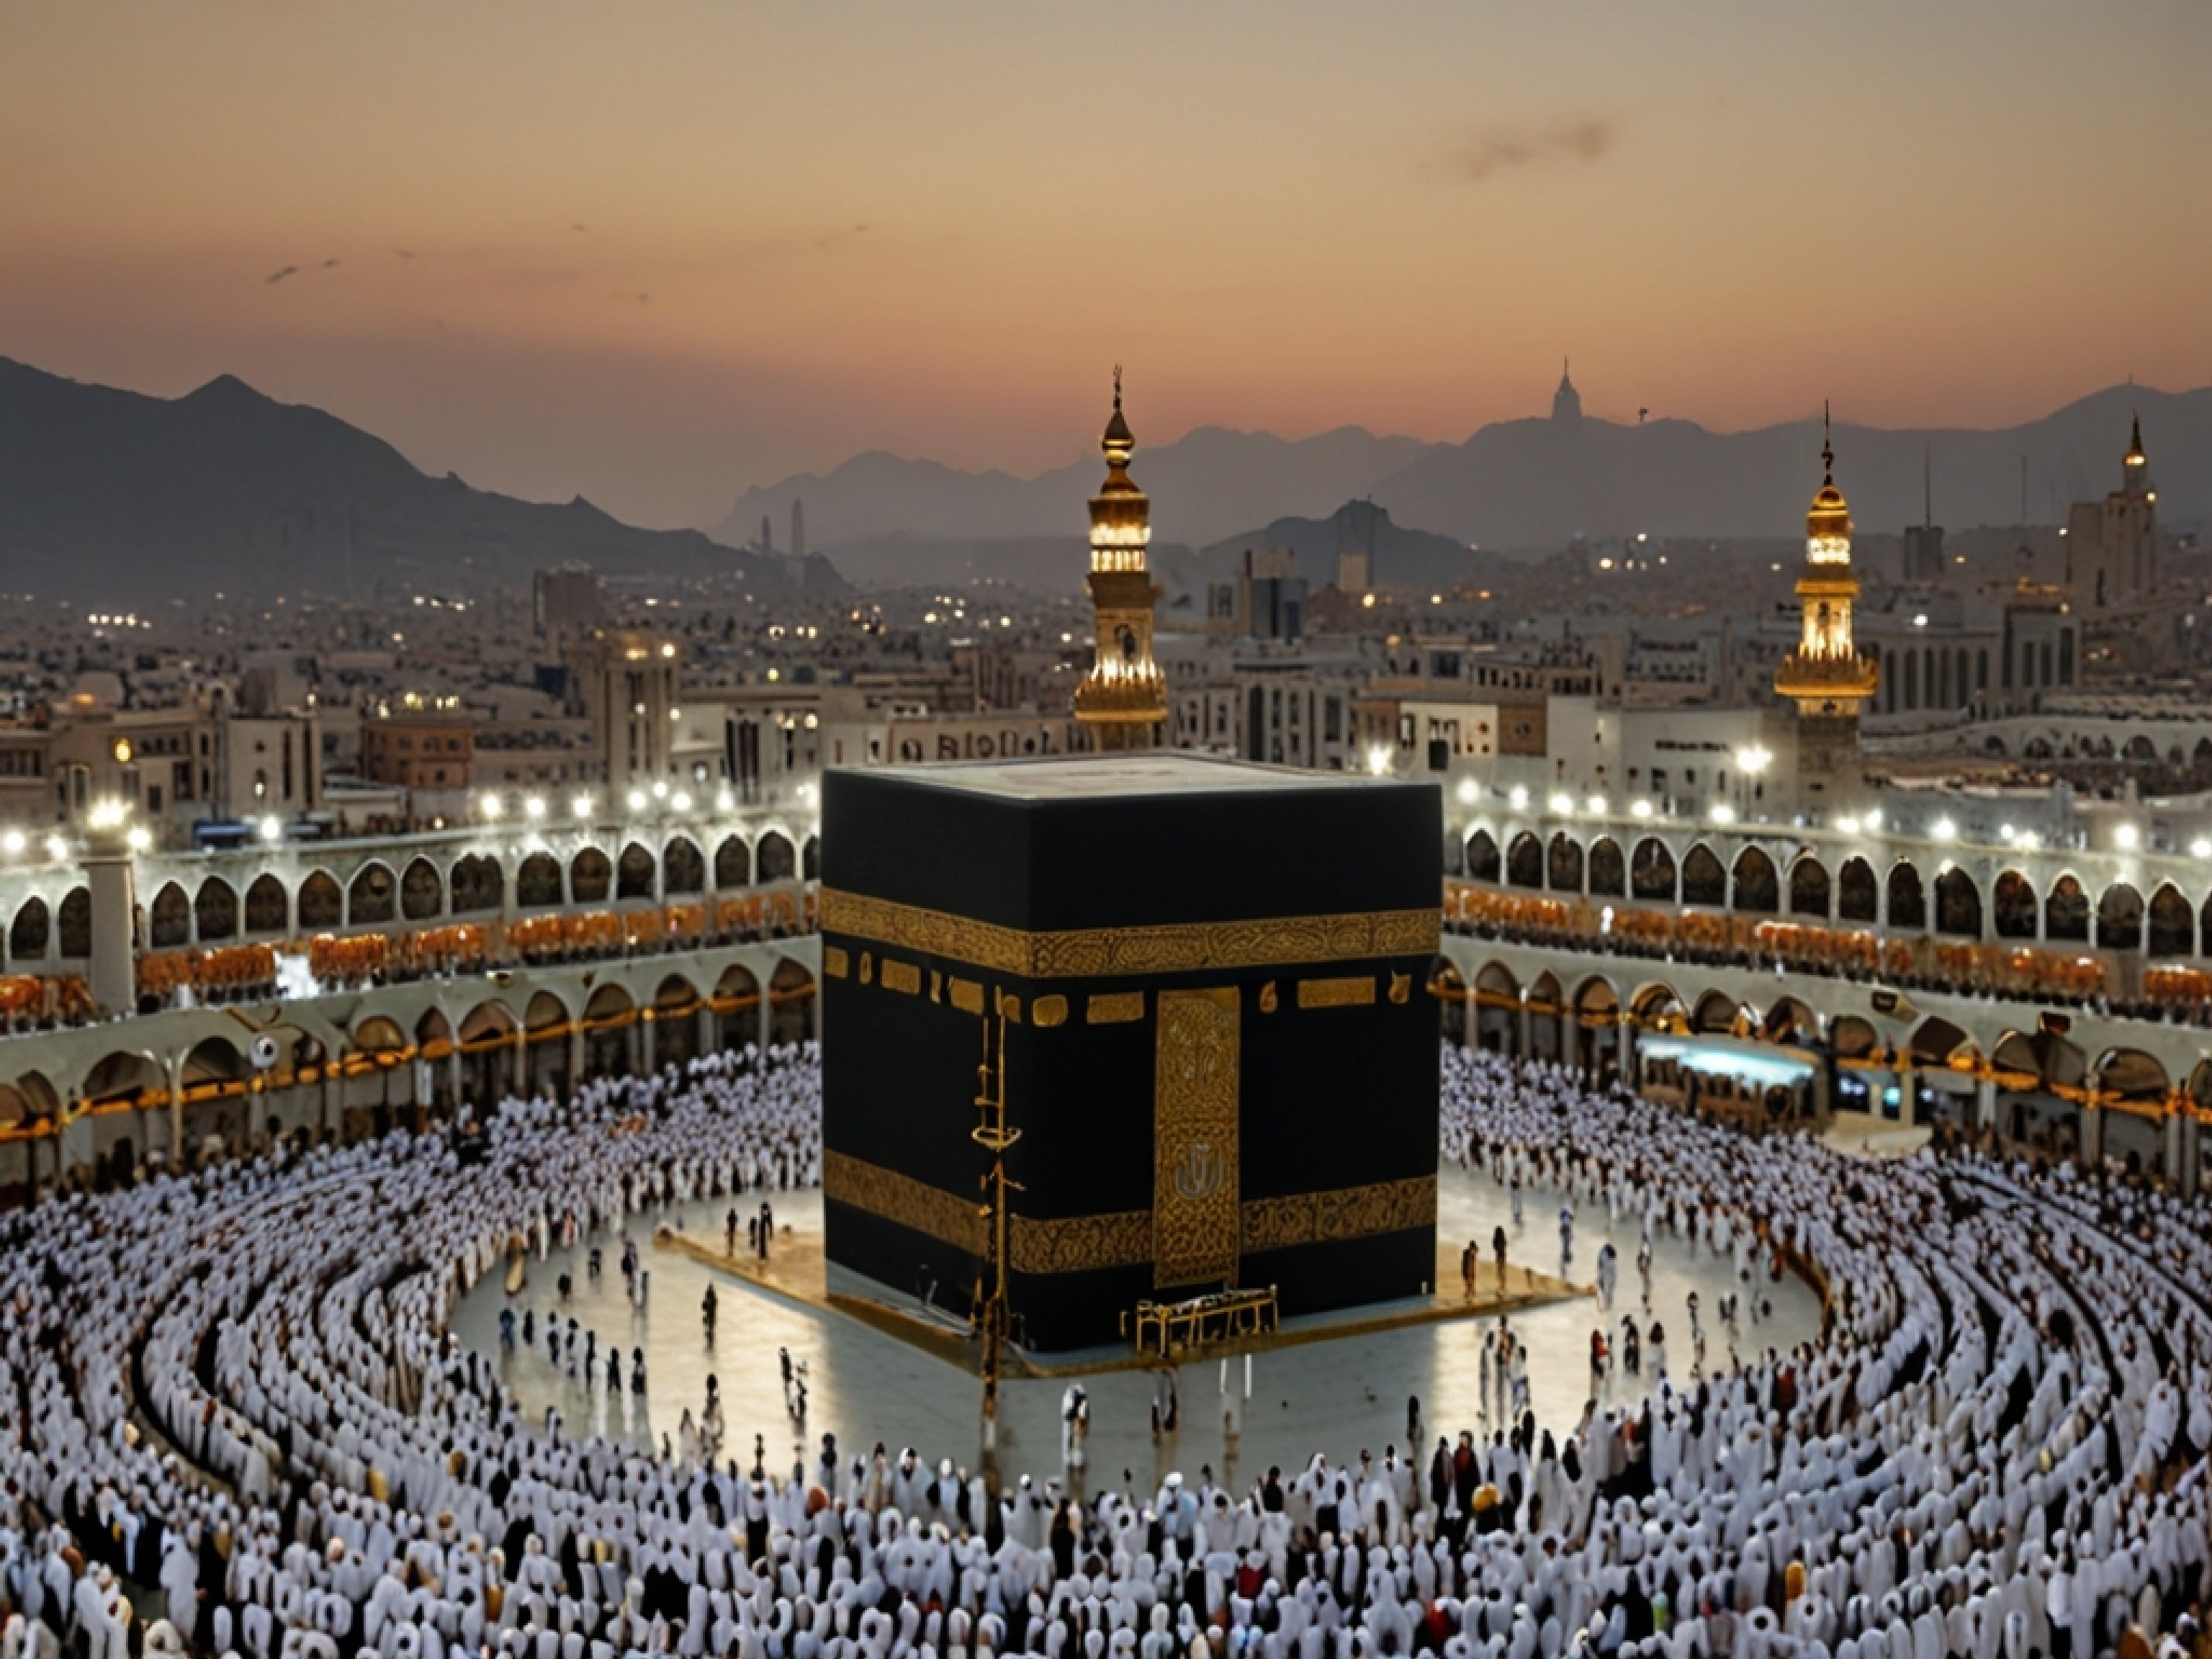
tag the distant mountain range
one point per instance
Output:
(104, 493)
(1523, 485)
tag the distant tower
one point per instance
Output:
(2112, 545)
(1566, 402)
(768, 535)
(798, 529)
(1825, 677)
(1124, 698)
(1923, 542)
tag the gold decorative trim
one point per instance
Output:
(968, 996)
(1097, 952)
(902, 1199)
(836, 962)
(867, 968)
(1010, 1008)
(1080, 1243)
(1048, 1011)
(1401, 989)
(1267, 998)
(936, 985)
(1389, 1207)
(1115, 1008)
(902, 976)
(1357, 992)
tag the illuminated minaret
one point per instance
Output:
(1825, 677)
(1124, 698)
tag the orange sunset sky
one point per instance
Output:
(655, 252)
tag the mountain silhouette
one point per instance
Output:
(1527, 484)
(111, 492)
(1208, 483)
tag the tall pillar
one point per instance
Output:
(1985, 1106)
(175, 1071)
(110, 872)
(649, 1047)
(1627, 1042)
(705, 1019)
(2170, 1147)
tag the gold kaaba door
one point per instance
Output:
(1195, 1192)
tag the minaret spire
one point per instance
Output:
(1124, 698)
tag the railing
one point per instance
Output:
(2073, 978)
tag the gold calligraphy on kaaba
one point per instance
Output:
(1389, 1207)
(901, 976)
(834, 962)
(1194, 1150)
(1357, 992)
(1080, 1243)
(1097, 952)
(1115, 1008)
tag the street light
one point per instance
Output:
(581, 807)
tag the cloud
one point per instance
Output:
(1480, 153)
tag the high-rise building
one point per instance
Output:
(1825, 675)
(1566, 402)
(1124, 698)
(2112, 545)
(798, 529)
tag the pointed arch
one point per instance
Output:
(734, 863)
(421, 893)
(1651, 871)
(1908, 898)
(1857, 897)
(1483, 863)
(591, 877)
(73, 922)
(775, 857)
(683, 866)
(1608, 870)
(1704, 880)
(2013, 902)
(810, 859)
(2173, 923)
(1809, 887)
(635, 872)
(1524, 861)
(1957, 904)
(170, 919)
(215, 910)
(1716, 1014)
(537, 883)
(267, 905)
(1756, 891)
(372, 897)
(2066, 911)
(2120, 919)
(1790, 1021)
(1563, 864)
(322, 902)
(479, 884)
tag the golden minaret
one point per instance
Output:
(1825, 677)
(1124, 698)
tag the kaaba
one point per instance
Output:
(1208, 981)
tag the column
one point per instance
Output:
(709, 1037)
(2170, 1149)
(1524, 1026)
(1627, 1043)
(175, 1071)
(647, 1048)
(110, 880)
(1985, 1106)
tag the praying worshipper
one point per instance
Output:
(1608, 1272)
(708, 1304)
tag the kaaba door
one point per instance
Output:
(1195, 1146)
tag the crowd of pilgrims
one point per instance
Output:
(235, 1395)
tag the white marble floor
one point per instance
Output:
(1339, 1397)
